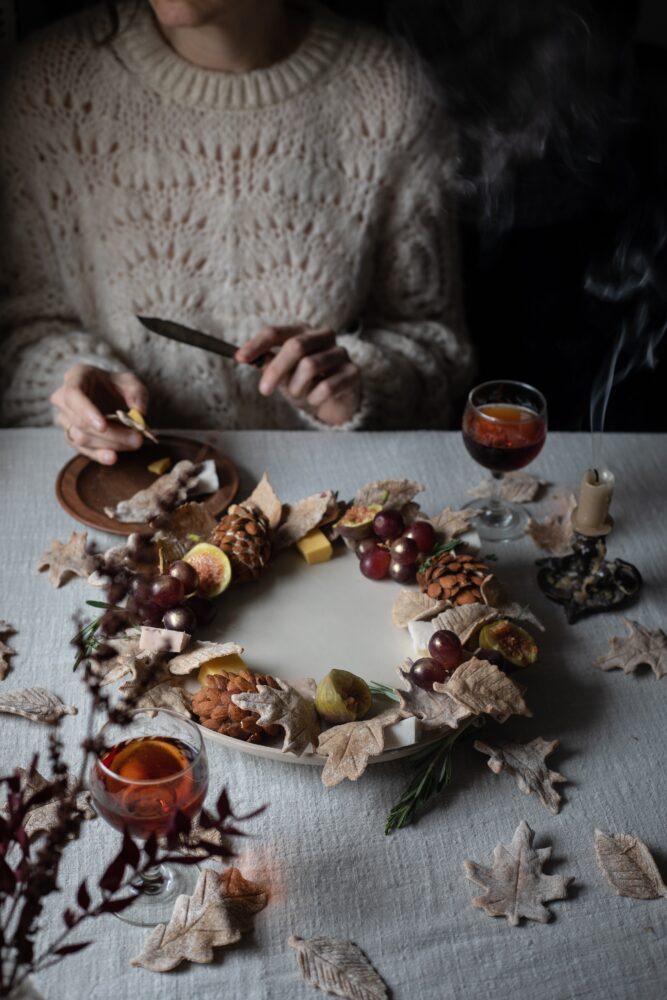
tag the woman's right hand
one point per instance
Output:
(87, 393)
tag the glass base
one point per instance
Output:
(498, 522)
(156, 903)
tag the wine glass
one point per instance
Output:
(146, 772)
(504, 429)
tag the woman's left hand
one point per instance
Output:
(310, 369)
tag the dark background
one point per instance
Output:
(527, 308)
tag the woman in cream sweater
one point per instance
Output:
(272, 175)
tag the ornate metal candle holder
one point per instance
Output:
(586, 581)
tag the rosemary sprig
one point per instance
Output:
(87, 639)
(438, 551)
(434, 772)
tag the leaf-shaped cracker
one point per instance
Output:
(302, 517)
(628, 866)
(242, 898)
(338, 967)
(640, 646)
(464, 619)
(435, 710)
(43, 818)
(554, 533)
(68, 559)
(349, 746)
(283, 707)
(213, 916)
(201, 652)
(5, 651)
(163, 495)
(515, 487)
(188, 524)
(485, 690)
(127, 659)
(36, 704)
(411, 606)
(128, 420)
(526, 762)
(394, 493)
(265, 499)
(166, 695)
(450, 523)
(515, 884)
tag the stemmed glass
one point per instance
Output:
(504, 429)
(147, 771)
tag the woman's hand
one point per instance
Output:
(81, 401)
(310, 369)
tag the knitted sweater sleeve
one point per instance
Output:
(41, 334)
(413, 351)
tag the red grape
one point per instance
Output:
(423, 534)
(167, 591)
(366, 545)
(181, 619)
(375, 564)
(405, 551)
(445, 647)
(388, 524)
(398, 571)
(147, 613)
(186, 573)
(205, 610)
(427, 672)
(140, 587)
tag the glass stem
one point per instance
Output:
(153, 881)
(495, 503)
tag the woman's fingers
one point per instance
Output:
(330, 388)
(106, 456)
(84, 390)
(282, 367)
(71, 398)
(313, 368)
(265, 340)
(132, 390)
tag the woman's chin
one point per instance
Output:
(179, 13)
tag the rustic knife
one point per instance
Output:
(194, 338)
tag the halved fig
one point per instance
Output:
(214, 570)
(513, 642)
(357, 522)
(342, 697)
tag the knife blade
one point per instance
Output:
(193, 338)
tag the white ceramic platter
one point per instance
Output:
(299, 621)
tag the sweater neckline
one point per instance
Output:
(145, 51)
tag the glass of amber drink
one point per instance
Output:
(504, 429)
(144, 774)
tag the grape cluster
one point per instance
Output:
(392, 550)
(445, 654)
(170, 600)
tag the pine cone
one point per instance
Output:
(455, 578)
(216, 710)
(244, 536)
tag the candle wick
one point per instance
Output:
(597, 475)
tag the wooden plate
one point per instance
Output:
(84, 488)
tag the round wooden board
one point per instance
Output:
(84, 488)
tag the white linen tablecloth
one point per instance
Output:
(404, 899)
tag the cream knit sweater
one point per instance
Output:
(135, 183)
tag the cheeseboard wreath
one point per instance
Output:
(469, 642)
